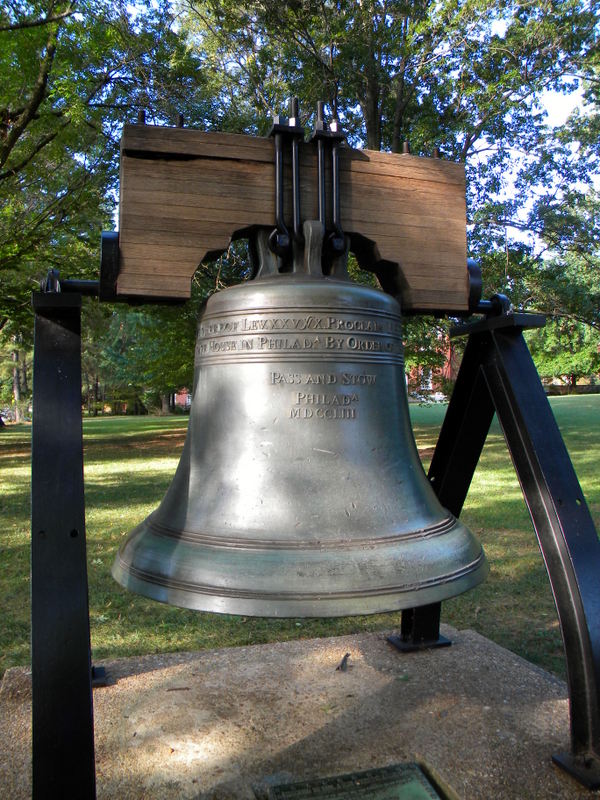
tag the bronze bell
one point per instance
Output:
(300, 492)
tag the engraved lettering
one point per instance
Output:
(278, 377)
(367, 325)
(301, 413)
(216, 327)
(223, 347)
(302, 324)
(361, 380)
(324, 379)
(369, 345)
(318, 399)
(323, 413)
(336, 413)
(303, 378)
(333, 333)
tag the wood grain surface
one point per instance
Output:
(185, 194)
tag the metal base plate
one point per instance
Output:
(398, 782)
(410, 646)
(99, 677)
(585, 769)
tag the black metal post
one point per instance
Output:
(320, 128)
(296, 134)
(458, 449)
(420, 629)
(336, 239)
(63, 730)
(282, 132)
(498, 373)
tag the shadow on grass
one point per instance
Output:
(514, 607)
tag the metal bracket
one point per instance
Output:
(52, 284)
(279, 240)
(497, 374)
(109, 265)
(332, 135)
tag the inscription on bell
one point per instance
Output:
(315, 323)
(334, 335)
(323, 413)
(324, 405)
(313, 399)
(344, 379)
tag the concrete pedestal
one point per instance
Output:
(227, 723)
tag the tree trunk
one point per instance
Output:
(371, 105)
(399, 109)
(17, 386)
(96, 395)
(371, 113)
(164, 403)
(24, 379)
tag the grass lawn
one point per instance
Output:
(129, 462)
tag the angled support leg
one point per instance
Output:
(63, 730)
(499, 374)
(459, 446)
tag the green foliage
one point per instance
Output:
(66, 86)
(425, 342)
(467, 76)
(566, 349)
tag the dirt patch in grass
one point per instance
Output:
(163, 441)
(18, 451)
(426, 454)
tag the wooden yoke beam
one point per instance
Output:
(185, 194)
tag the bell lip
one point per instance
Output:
(318, 606)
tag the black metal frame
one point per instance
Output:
(63, 726)
(420, 629)
(497, 374)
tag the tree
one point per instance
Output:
(468, 76)
(70, 74)
(566, 349)
(140, 356)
